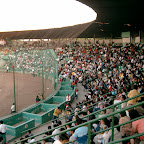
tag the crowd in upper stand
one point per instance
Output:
(109, 74)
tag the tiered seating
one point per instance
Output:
(98, 119)
(110, 75)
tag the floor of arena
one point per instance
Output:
(27, 88)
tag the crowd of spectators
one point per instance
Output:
(109, 74)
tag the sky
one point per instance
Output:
(19, 15)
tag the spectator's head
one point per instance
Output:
(105, 121)
(63, 138)
(78, 121)
(49, 127)
(1, 122)
(59, 123)
(29, 132)
(55, 125)
(123, 97)
(133, 114)
(90, 111)
(72, 132)
(123, 114)
(135, 87)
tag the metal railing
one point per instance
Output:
(92, 121)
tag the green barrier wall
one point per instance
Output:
(37, 114)
(66, 83)
(55, 100)
(65, 88)
(17, 123)
(40, 113)
(16, 131)
(64, 92)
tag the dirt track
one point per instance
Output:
(27, 88)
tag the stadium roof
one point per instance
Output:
(113, 17)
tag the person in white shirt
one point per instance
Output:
(3, 131)
(32, 140)
(63, 139)
(7, 68)
(13, 108)
(68, 98)
(56, 131)
(2, 128)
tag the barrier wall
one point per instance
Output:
(39, 113)
(17, 123)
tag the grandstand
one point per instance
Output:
(69, 89)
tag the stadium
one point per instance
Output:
(71, 71)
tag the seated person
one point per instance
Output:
(48, 134)
(137, 126)
(63, 139)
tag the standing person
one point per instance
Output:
(41, 97)
(33, 72)
(76, 95)
(2, 128)
(3, 131)
(73, 84)
(7, 68)
(68, 98)
(56, 113)
(37, 99)
(13, 108)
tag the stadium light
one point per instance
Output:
(20, 15)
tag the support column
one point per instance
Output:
(14, 87)
(140, 36)
(94, 38)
